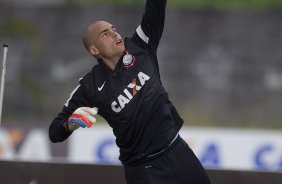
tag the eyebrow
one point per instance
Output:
(105, 30)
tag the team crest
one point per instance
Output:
(128, 60)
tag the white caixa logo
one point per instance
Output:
(127, 96)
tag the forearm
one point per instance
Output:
(157, 1)
(151, 28)
(155, 13)
(57, 130)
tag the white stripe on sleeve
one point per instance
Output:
(142, 35)
(67, 103)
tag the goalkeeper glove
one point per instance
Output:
(82, 117)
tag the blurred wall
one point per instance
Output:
(220, 68)
(228, 149)
(60, 173)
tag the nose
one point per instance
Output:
(114, 34)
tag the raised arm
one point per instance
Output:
(151, 28)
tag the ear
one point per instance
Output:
(93, 50)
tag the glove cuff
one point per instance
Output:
(65, 125)
(82, 118)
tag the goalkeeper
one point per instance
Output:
(126, 89)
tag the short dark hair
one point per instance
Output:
(86, 40)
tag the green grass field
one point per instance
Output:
(195, 4)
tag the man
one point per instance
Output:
(125, 88)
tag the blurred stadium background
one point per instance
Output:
(220, 61)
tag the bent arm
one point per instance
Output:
(58, 131)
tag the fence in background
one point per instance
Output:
(220, 67)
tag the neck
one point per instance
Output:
(111, 62)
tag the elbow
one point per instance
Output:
(58, 134)
(53, 136)
(53, 140)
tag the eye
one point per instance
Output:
(104, 34)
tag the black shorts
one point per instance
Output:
(177, 165)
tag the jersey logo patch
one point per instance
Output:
(127, 96)
(128, 60)
(101, 87)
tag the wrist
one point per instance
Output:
(66, 126)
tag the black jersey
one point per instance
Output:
(131, 98)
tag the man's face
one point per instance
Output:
(107, 41)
